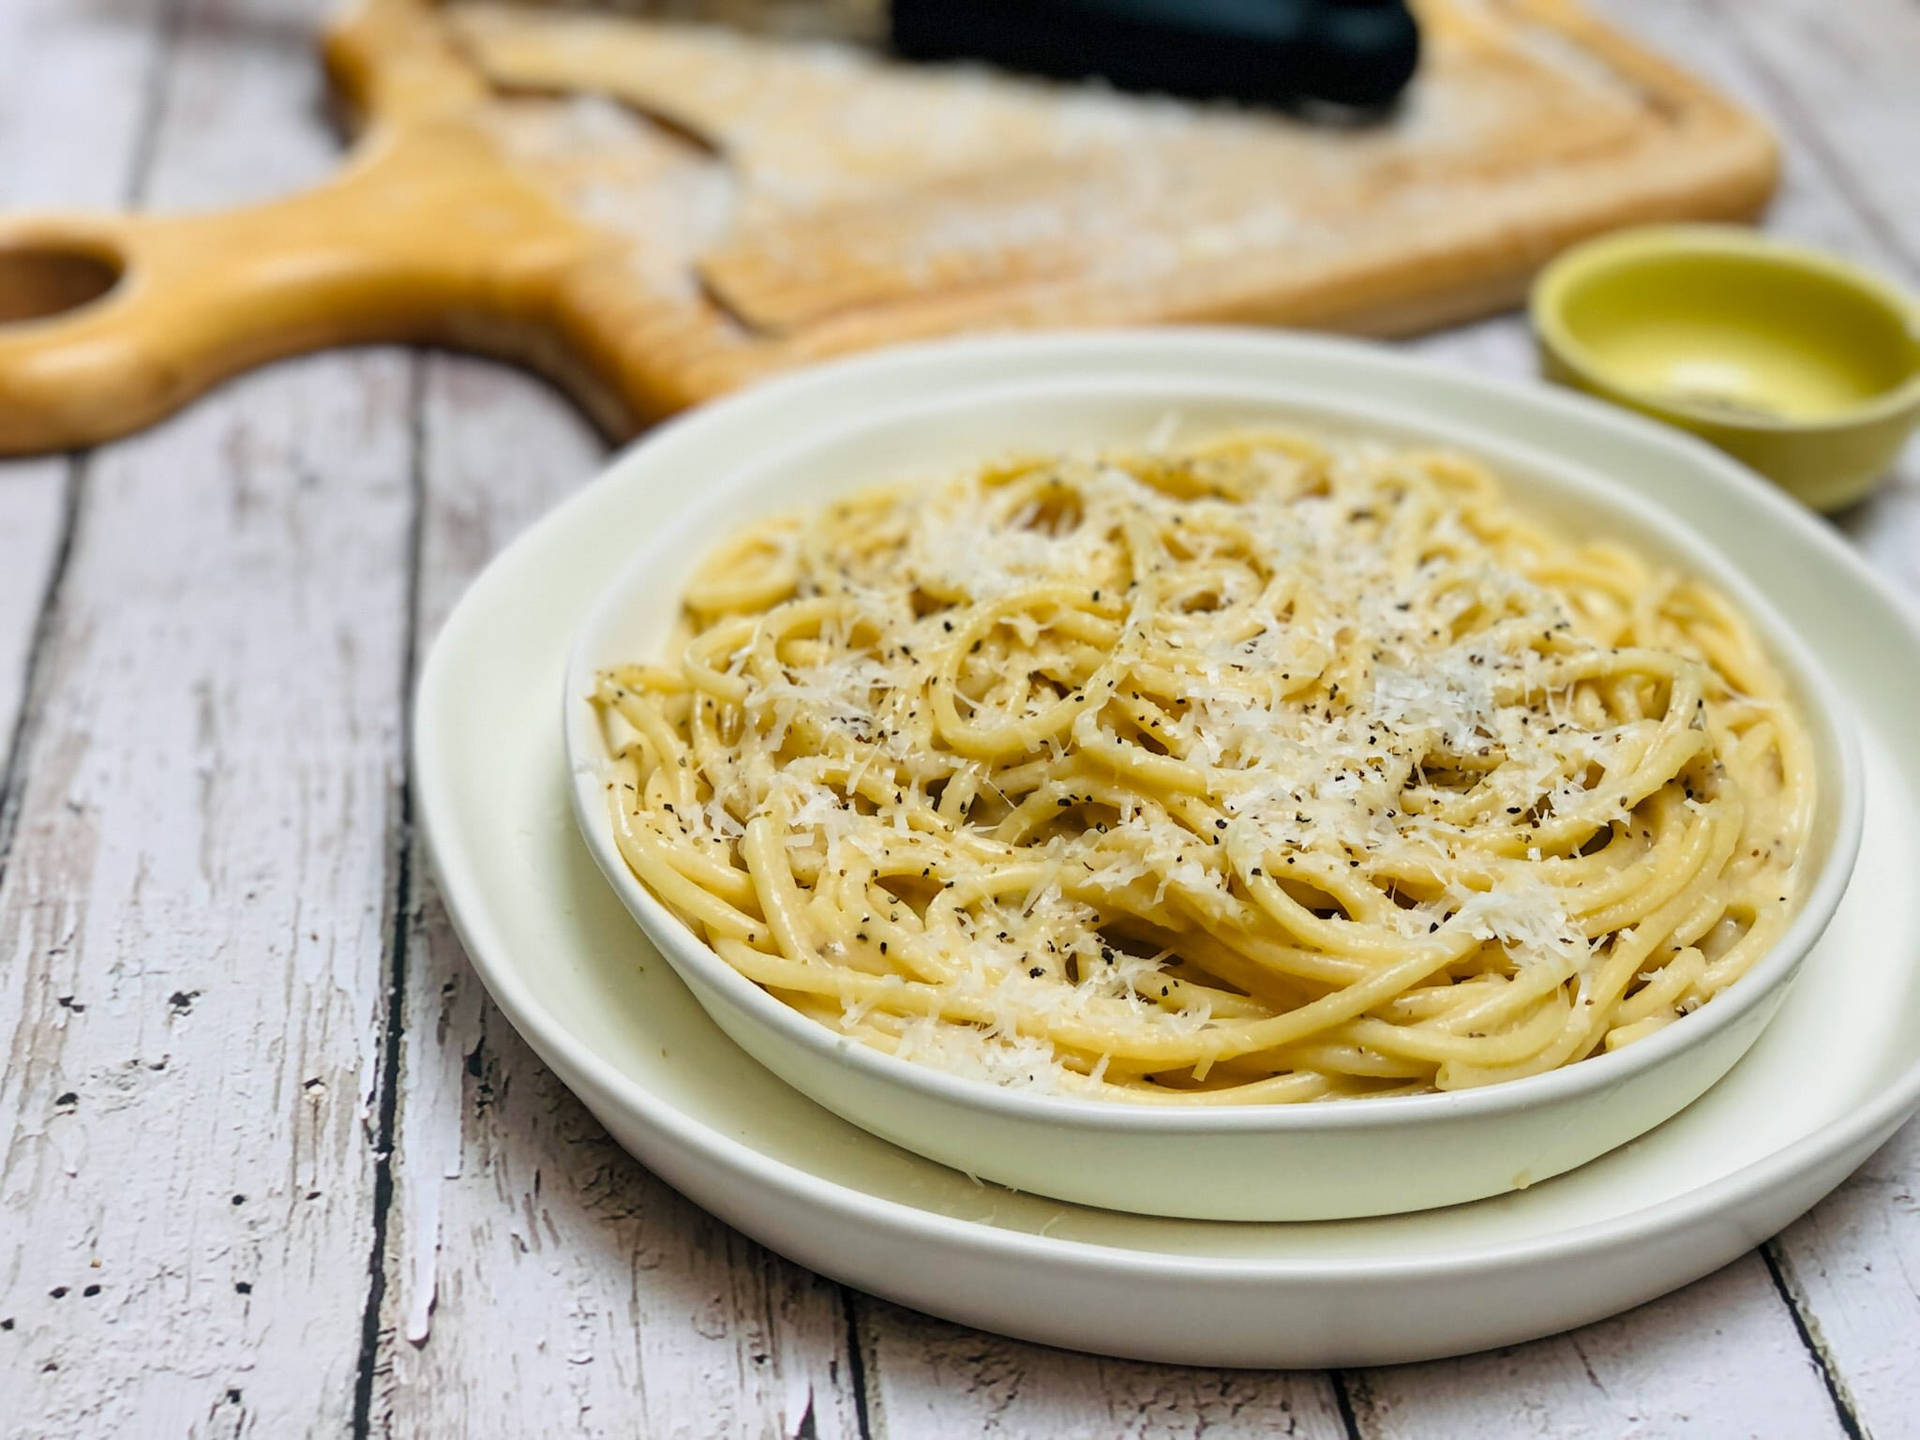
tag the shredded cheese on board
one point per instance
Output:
(1269, 769)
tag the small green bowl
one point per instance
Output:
(1803, 366)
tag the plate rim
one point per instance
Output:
(1896, 1099)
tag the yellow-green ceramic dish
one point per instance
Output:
(1803, 366)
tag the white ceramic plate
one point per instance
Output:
(1833, 1076)
(1256, 1162)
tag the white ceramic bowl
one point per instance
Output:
(1315, 1161)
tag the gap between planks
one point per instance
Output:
(400, 857)
(25, 722)
(23, 726)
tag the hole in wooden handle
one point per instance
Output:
(39, 280)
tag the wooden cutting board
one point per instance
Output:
(654, 213)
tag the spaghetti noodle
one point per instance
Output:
(1271, 769)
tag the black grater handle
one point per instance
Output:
(1358, 53)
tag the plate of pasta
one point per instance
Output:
(1834, 1073)
(1174, 796)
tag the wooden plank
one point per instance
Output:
(928, 1379)
(32, 521)
(103, 67)
(77, 89)
(1886, 525)
(1843, 83)
(194, 915)
(539, 1280)
(1852, 1268)
(1719, 1358)
(74, 82)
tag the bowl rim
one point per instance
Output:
(1834, 734)
(1555, 286)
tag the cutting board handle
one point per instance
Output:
(109, 322)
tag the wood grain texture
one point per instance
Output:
(1852, 1268)
(539, 1280)
(194, 921)
(74, 84)
(194, 914)
(1720, 1358)
(929, 1379)
(33, 517)
(44, 140)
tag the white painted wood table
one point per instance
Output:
(274, 1165)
